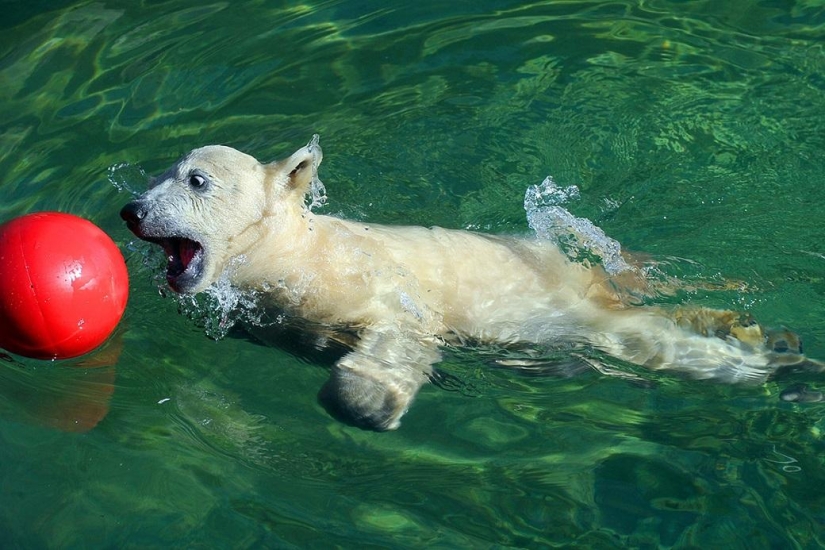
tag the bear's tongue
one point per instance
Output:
(179, 253)
(187, 250)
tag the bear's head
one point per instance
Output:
(208, 207)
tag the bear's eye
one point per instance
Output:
(197, 181)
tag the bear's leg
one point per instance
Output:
(781, 347)
(374, 385)
(721, 324)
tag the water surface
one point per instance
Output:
(693, 131)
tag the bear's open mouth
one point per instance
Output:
(185, 258)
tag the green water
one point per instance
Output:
(694, 130)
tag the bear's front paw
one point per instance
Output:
(362, 401)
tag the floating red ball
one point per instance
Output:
(63, 286)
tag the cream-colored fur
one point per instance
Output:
(404, 291)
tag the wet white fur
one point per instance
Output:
(406, 290)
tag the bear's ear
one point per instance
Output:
(301, 167)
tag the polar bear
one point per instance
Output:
(396, 294)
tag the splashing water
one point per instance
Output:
(218, 308)
(551, 221)
(317, 191)
(124, 174)
(221, 306)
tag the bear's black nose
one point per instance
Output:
(133, 213)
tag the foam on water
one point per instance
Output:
(574, 235)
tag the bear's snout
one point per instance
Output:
(133, 213)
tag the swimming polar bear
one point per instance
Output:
(396, 294)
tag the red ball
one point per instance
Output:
(63, 285)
